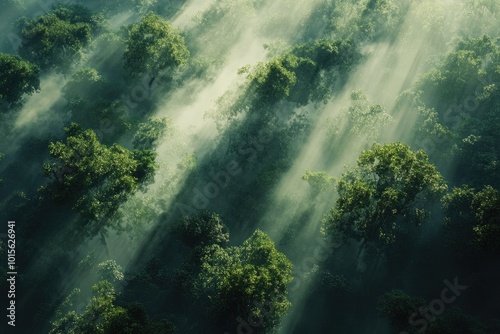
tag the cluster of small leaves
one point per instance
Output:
(154, 45)
(301, 75)
(365, 120)
(110, 271)
(398, 307)
(18, 77)
(203, 229)
(473, 218)
(94, 177)
(150, 133)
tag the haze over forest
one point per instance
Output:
(250, 166)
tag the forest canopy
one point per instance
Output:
(250, 166)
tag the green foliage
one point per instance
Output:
(94, 177)
(458, 103)
(154, 45)
(133, 319)
(473, 218)
(150, 133)
(327, 53)
(108, 118)
(2, 156)
(10, 7)
(110, 271)
(18, 77)
(464, 71)
(102, 315)
(307, 72)
(106, 7)
(84, 84)
(478, 152)
(113, 7)
(274, 79)
(380, 18)
(319, 181)
(246, 281)
(363, 119)
(107, 51)
(454, 320)
(146, 166)
(479, 17)
(386, 190)
(93, 103)
(398, 306)
(203, 229)
(58, 38)
(99, 310)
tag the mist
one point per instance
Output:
(252, 116)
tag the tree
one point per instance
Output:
(361, 118)
(249, 281)
(58, 38)
(133, 319)
(18, 77)
(458, 104)
(203, 229)
(150, 133)
(388, 188)
(473, 218)
(110, 271)
(1, 158)
(95, 178)
(275, 79)
(470, 69)
(319, 181)
(154, 45)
